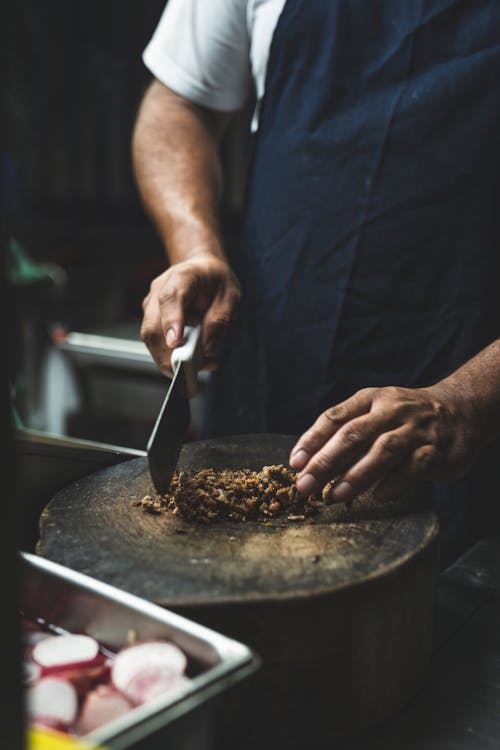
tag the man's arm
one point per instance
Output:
(392, 437)
(178, 171)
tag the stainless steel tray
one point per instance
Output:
(81, 604)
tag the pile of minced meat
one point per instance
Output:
(208, 496)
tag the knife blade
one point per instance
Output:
(167, 436)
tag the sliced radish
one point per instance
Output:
(74, 666)
(31, 641)
(101, 706)
(65, 649)
(52, 702)
(84, 676)
(154, 663)
(152, 683)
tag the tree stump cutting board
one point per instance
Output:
(340, 608)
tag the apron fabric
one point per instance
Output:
(370, 250)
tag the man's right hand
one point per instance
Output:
(202, 290)
(179, 175)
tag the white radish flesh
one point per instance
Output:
(152, 683)
(65, 650)
(153, 663)
(101, 706)
(52, 701)
(33, 637)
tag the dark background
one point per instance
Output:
(73, 81)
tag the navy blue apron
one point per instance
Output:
(370, 248)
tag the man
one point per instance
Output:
(369, 256)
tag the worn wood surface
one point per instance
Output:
(341, 610)
(93, 527)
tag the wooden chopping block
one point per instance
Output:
(340, 609)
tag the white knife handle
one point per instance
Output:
(188, 353)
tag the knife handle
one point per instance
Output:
(188, 354)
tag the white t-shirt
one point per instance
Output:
(210, 51)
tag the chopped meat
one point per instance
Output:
(208, 496)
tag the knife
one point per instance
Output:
(168, 434)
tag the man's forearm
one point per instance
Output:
(175, 152)
(178, 171)
(477, 385)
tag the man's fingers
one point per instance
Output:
(199, 290)
(216, 322)
(175, 296)
(345, 450)
(152, 335)
(173, 300)
(420, 466)
(395, 484)
(388, 451)
(327, 425)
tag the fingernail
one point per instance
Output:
(298, 459)
(342, 492)
(307, 484)
(171, 338)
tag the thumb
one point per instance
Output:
(172, 325)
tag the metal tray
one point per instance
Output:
(81, 604)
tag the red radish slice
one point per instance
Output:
(154, 661)
(101, 706)
(84, 676)
(65, 649)
(52, 702)
(62, 668)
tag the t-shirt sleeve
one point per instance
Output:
(201, 50)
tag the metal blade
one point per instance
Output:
(168, 434)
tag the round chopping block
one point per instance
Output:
(339, 608)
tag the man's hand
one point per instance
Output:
(387, 438)
(179, 175)
(202, 289)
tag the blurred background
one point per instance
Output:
(78, 256)
(80, 251)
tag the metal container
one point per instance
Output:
(81, 604)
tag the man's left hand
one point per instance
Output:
(385, 438)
